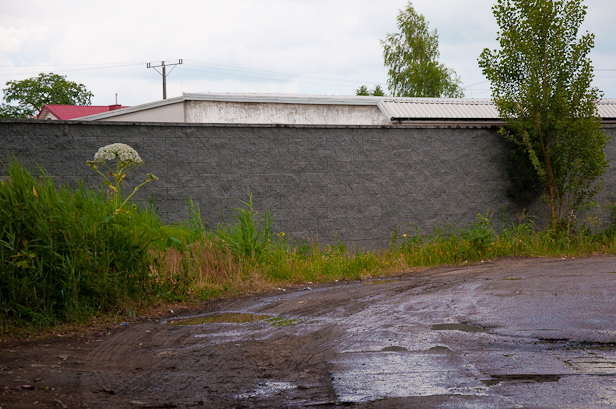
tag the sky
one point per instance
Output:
(324, 47)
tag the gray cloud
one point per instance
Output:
(327, 47)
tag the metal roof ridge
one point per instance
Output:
(284, 98)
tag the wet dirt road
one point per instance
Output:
(531, 333)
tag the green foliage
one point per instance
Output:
(65, 254)
(482, 241)
(412, 58)
(32, 93)
(248, 237)
(541, 83)
(377, 91)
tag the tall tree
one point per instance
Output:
(32, 93)
(412, 58)
(541, 84)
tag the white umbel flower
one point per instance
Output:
(126, 154)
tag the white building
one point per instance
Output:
(318, 110)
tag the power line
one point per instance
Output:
(477, 83)
(267, 78)
(70, 65)
(73, 70)
(280, 73)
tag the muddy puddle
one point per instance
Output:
(571, 345)
(520, 378)
(394, 349)
(457, 327)
(234, 318)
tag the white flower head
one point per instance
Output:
(126, 154)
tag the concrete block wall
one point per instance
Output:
(353, 183)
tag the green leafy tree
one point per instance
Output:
(377, 91)
(31, 94)
(412, 58)
(541, 84)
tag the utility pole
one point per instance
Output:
(164, 73)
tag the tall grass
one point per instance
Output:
(216, 268)
(65, 253)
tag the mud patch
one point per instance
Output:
(520, 378)
(376, 282)
(457, 327)
(233, 318)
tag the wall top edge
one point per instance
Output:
(414, 124)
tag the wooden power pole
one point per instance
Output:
(164, 73)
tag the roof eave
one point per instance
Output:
(136, 108)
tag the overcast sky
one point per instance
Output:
(326, 47)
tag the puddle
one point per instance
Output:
(267, 389)
(366, 377)
(580, 345)
(440, 348)
(592, 365)
(521, 378)
(394, 349)
(281, 322)
(600, 346)
(235, 318)
(554, 340)
(457, 327)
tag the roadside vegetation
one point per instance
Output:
(70, 254)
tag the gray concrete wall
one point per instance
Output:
(354, 183)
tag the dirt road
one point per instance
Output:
(532, 333)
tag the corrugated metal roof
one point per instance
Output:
(409, 109)
(607, 108)
(437, 108)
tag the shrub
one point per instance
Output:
(65, 253)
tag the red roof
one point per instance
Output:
(77, 111)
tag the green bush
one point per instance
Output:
(65, 253)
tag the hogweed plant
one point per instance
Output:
(126, 159)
